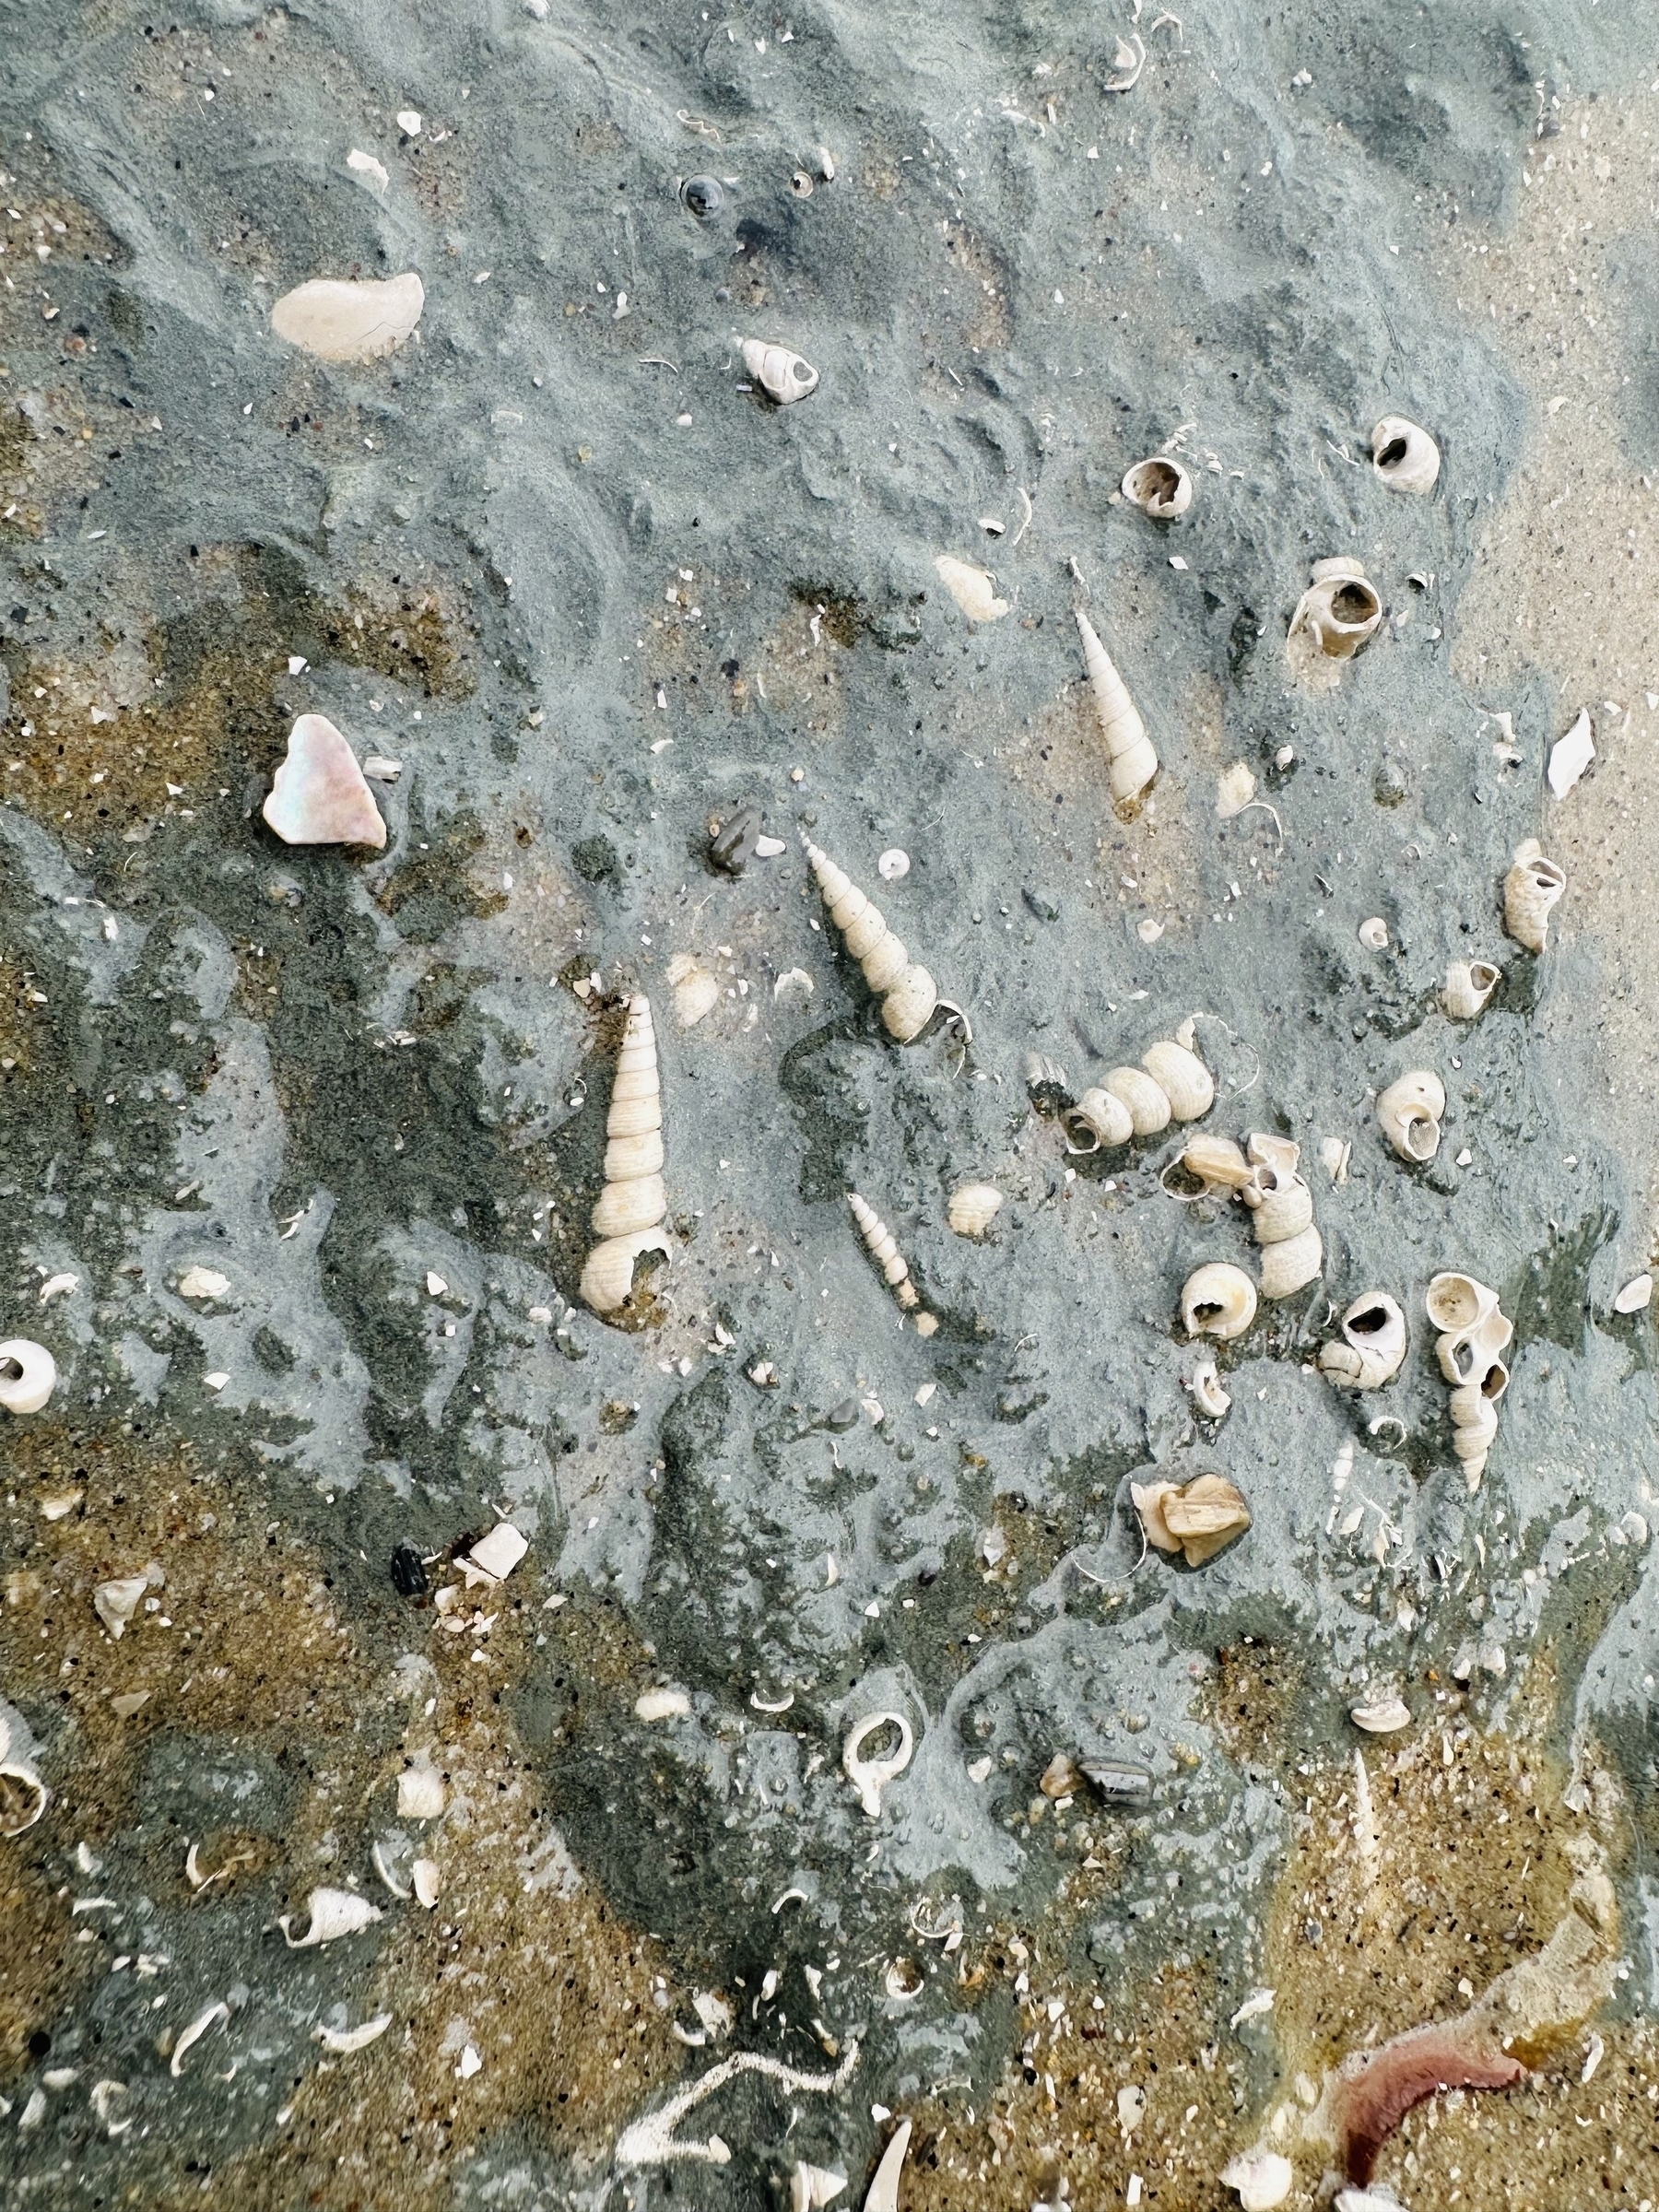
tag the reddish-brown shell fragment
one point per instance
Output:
(1376, 2089)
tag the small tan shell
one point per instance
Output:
(1145, 1097)
(1283, 1212)
(1291, 1264)
(1411, 1111)
(908, 996)
(696, 992)
(1217, 1162)
(1469, 984)
(972, 1208)
(1457, 1303)
(1161, 487)
(1374, 1330)
(633, 1201)
(1217, 1300)
(337, 320)
(1131, 761)
(330, 1914)
(1530, 891)
(1183, 1077)
(1404, 455)
(1196, 1518)
(782, 375)
(1101, 1117)
(1337, 615)
(974, 589)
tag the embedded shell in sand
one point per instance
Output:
(974, 589)
(1404, 455)
(784, 376)
(1161, 487)
(357, 321)
(318, 795)
(1131, 761)
(26, 1389)
(1197, 1518)
(631, 1207)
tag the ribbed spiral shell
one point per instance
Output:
(1374, 1328)
(633, 1201)
(1530, 891)
(1131, 761)
(907, 992)
(878, 1242)
(784, 375)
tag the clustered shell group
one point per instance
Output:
(1220, 1300)
(1170, 1084)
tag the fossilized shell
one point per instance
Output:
(23, 1796)
(894, 1270)
(1374, 1330)
(203, 1282)
(1183, 1077)
(116, 1602)
(1260, 2179)
(869, 1777)
(1205, 1384)
(1196, 1518)
(426, 1881)
(633, 1201)
(906, 991)
(1635, 1296)
(1411, 1111)
(1235, 788)
(350, 322)
(1570, 755)
(972, 1208)
(1100, 1117)
(1337, 613)
(695, 993)
(1161, 486)
(1217, 1162)
(1469, 984)
(331, 1912)
(420, 1792)
(318, 795)
(1530, 891)
(813, 2187)
(781, 374)
(343, 2041)
(27, 1375)
(1385, 1717)
(974, 589)
(1292, 1264)
(1281, 1213)
(1217, 1300)
(1130, 759)
(1373, 933)
(209, 2017)
(1145, 1097)
(1404, 455)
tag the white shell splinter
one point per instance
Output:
(1131, 761)
(974, 589)
(869, 1777)
(318, 795)
(908, 996)
(895, 1268)
(884, 2189)
(633, 1202)
(27, 1375)
(350, 322)
(784, 376)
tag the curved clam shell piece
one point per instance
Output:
(869, 1777)
(1385, 1716)
(1404, 455)
(318, 795)
(895, 1269)
(1411, 1111)
(1217, 1300)
(633, 1202)
(908, 996)
(1292, 1264)
(1469, 984)
(331, 1912)
(1530, 891)
(1131, 761)
(973, 1209)
(1337, 613)
(1145, 1097)
(974, 589)
(1183, 1077)
(784, 376)
(1373, 1330)
(23, 1796)
(1100, 1117)
(1261, 2180)
(1161, 486)
(27, 1389)
(1216, 1163)
(337, 320)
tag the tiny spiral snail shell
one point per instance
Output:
(1530, 891)
(1472, 1334)
(633, 1201)
(972, 1208)
(1469, 984)
(895, 1269)
(1161, 487)
(1374, 1328)
(1170, 1084)
(1404, 455)
(784, 376)
(1131, 761)
(1411, 1111)
(1282, 1207)
(906, 991)
(1217, 1301)
(1337, 613)
(26, 1389)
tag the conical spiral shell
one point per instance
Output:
(783, 375)
(1099, 1120)
(1530, 891)
(895, 1272)
(1374, 1330)
(1283, 1213)
(907, 993)
(1131, 763)
(633, 1201)
(1217, 1300)
(1183, 1077)
(1292, 1264)
(1469, 984)
(1474, 1336)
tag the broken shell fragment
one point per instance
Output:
(1411, 1111)
(1530, 891)
(1404, 455)
(209, 2017)
(1161, 487)
(1205, 1384)
(27, 1375)
(784, 376)
(331, 1912)
(732, 843)
(1373, 1330)
(23, 1796)
(116, 1602)
(663, 1705)
(1129, 58)
(1218, 1163)
(203, 1282)
(631, 1205)
(909, 999)
(426, 1882)
(1571, 755)
(1130, 759)
(1385, 1717)
(343, 2041)
(813, 2187)
(337, 320)
(493, 1558)
(1635, 1296)
(420, 1792)
(974, 589)
(869, 1777)
(895, 1269)
(1145, 1097)
(695, 993)
(1217, 1300)
(973, 1207)
(1235, 788)
(1469, 984)
(1336, 616)
(1099, 1119)
(1184, 1080)
(318, 795)
(1260, 2179)
(1196, 1518)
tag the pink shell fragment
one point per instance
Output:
(318, 795)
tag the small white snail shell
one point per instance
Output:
(1161, 486)
(633, 1201)
(1373, 933)
(36, 1376)
(782, 375)
(1216, 1163)
(1374, 1329)
(1184, 1080)
(1411, 1111)
(1530, 891)
(1100, 1116)
(1145, 1097)
(1457, 1303)
(1338, 612)
(331, 1912)
(1404, 455)
(1474, 1334)
(1281, 1213)
(907, 992)
(1469, 984)
(972, 1208)
(1292, 1264)
(1217, 1300)
(1131, 761)
(869, 1777)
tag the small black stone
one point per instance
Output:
(842, 1417)
(731, 846)
(409, 1576)
(1042, 908)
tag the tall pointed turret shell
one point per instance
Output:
(782, 375)
(633, 1201)
(1530, 891)
(1131, 761)
(884, 1250)
(907, 992)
